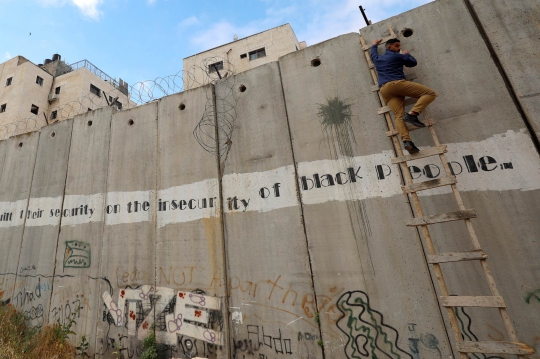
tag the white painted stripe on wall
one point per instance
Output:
(364, 172)
(11, 213)
(91, 211)
(198, 194)
(39, 211)
(509, 162)
(277, 186)
(122, 200)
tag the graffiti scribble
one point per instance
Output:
(367, 334)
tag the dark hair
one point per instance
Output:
(392, 41)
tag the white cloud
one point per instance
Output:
(221, 33)
(8, 56)
(150, 2)
(89, 8)
(192, 20)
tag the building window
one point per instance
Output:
(214, 66)
(57, 90)
(54, 114)
(118, 104)
(3, 108)
(39, 81)
(96, 91)
(243, 56)
(8, 81)
(110, 99)
(34, 109)
(253, 55)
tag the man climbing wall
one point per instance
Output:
(394, 88)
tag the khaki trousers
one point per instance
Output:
(394, 93)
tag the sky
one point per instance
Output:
(145, 39)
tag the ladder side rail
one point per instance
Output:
(476, 243)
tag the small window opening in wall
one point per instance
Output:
(407, 32)
(9, 81)
(315, 62)
(215, 65)
(54, 114)
(243, 56)
(131, 122)
(110, 99)
(53, 134)
(96, 91)
(34, 109)
(20, 144)
(57, 90)
(118, 104)
(182, 107)
(256, 54)
(39, 81)
(3, 108)
(89, 123)
(242, 88)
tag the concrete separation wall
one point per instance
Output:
(261, 217)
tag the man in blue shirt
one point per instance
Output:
(394, 88)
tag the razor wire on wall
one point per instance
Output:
(144, 92)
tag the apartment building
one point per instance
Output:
(240, 55)
(32, 96)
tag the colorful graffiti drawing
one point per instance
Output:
(77, 255)
(367, 334)
(193, 307)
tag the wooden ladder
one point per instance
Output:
(464, 214)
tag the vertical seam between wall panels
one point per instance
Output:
(26, 211)
(222, 222)
(104, 226)
(502, 72)
(156, 186)
(299, 196)
(61, 208)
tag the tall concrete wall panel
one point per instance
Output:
(36, 267)
(128, 255)
(189, 239)
(76, 287)
(512, 28)
(363, 257)
(491, 152)
(19, 155)
(271, 300)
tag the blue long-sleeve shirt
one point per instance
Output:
(390, 65)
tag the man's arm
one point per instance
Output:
(408, 59)
(373, 52)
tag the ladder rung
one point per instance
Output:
(422, 186)
(371, 66)
(367, 47)
(456, 256)
(428, 123)
(433, 151)
(383, 110)
(440, 218)
(375, 88)
(410, 77)
(473, 301)
(494, 348)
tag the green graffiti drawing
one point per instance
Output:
(367, 334)
(77, 255)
